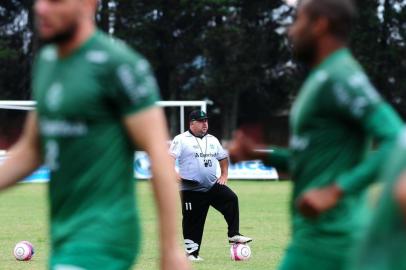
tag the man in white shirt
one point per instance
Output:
(199, 155)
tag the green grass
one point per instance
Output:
(263, 216)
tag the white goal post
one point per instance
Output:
(27, 105)
(243, 170)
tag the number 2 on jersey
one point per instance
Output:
(51, 155)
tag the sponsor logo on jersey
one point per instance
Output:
(54, 96)
(341, 94)
(136, 87)
(355, 104)
(49, 54)
(358, 106)
(321, 76)
(360, 80)
(98, 57)
(299, 143)
(62, 128)
(206, 155)
(142, 66)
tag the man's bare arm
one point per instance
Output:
(400, 192)
(24, 157)
(224, 172)
(148, 131)
(174, 166)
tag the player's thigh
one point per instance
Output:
(80, 257)
(222, 195)
(298, 259)
(105, 263)
(194, 204)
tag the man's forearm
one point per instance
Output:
(224, 167)
(277, 157)
(20, 162)
(177, 175)
(154, 140)
(166, 195)
(24, 157)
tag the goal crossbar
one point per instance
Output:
(27, 105)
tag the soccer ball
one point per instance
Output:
(23, 251)
(240, 252)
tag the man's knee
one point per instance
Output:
(232, 197)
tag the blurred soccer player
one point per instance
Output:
(95, 101)
(333, 121)
(385, 243)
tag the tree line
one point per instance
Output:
(232, 52)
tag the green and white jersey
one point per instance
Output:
(333, 121)
(385, 243)
(82, 100)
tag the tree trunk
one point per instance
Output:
(230, 115)
(104, 16)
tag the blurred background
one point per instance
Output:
(232, 53)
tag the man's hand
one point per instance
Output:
(178, 176)
(175, 260)
(316, 201)
(222, 180)
(224, 171)
(241, 147)
(400, 192)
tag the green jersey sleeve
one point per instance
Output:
(278, 157)
(357, 101)
(134, 87)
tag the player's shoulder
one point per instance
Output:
(177, 137)
(342, 71)
(182, 136)
(351, 76)
(211, 137)
(346, 78)
(344, 68)
(114, 51)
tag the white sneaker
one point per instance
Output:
(194, 258)
(239, 239)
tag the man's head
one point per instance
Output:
(198, 122)
(58, 20)
(317, 19)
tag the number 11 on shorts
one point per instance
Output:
(188, 206)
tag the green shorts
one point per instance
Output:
(297, 258)
(84, 256)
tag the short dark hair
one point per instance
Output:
(340, 13)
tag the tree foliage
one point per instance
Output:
(379, 42)
(233, 52)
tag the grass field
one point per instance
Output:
(263, 216)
